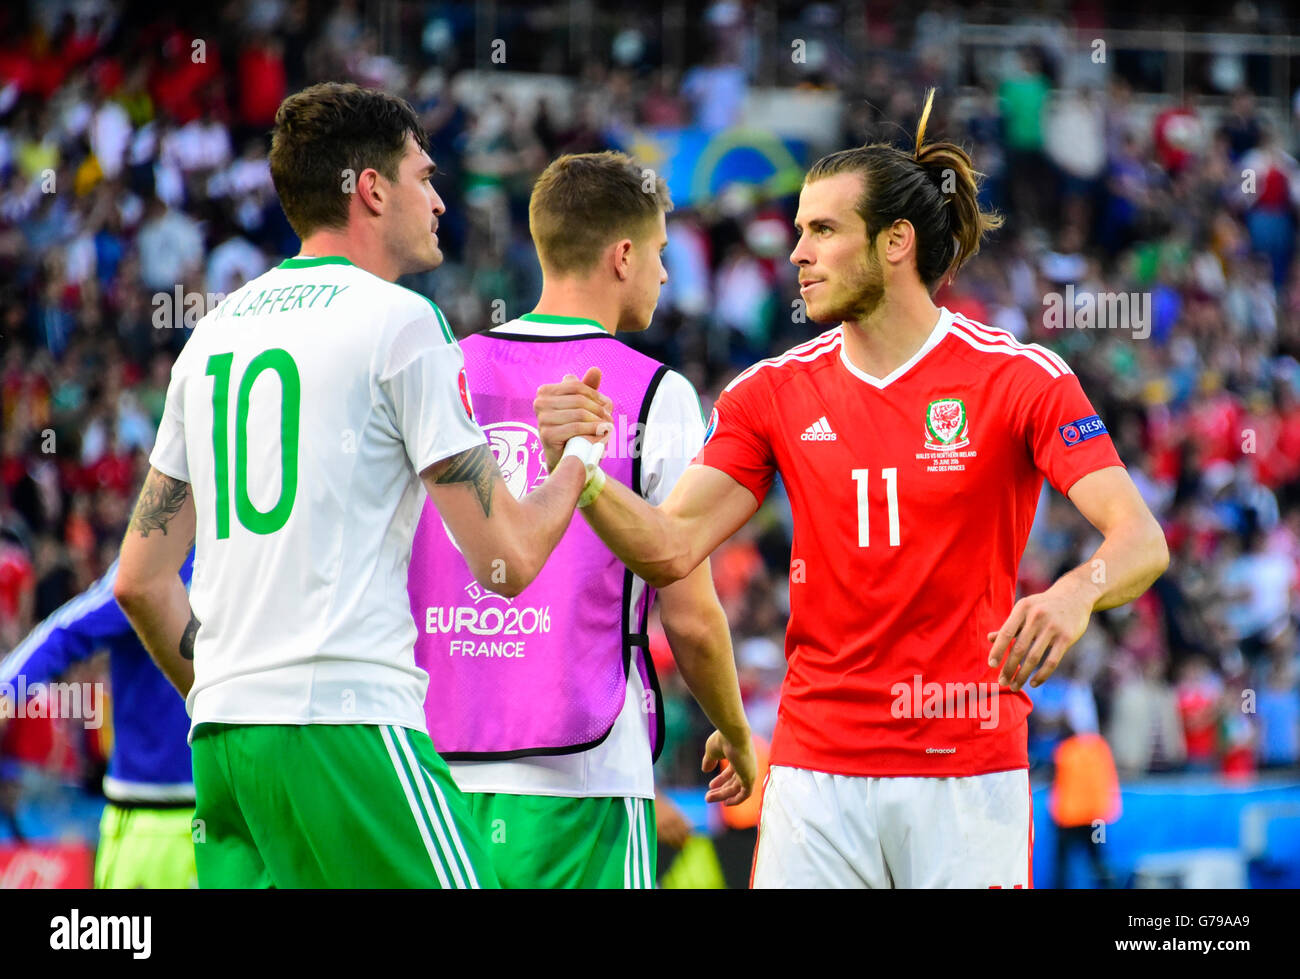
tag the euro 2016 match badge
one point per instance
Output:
(945, 424)
(713, 426)
(464, 395)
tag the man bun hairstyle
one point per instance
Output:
(935, 188)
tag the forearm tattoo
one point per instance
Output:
(475, 466)
(187, 637)
(160, 499)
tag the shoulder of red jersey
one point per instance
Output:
(803, 357)
(1000, 350)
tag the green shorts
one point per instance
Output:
(145, 847)
(329, 805)
(551, 841)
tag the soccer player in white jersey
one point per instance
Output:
(306, 418)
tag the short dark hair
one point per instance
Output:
(325, 131)
(585, 201)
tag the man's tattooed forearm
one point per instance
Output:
(187, 637)
(160, 499)
(477, 467)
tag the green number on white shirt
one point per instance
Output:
(258, 521)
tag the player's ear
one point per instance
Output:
(621, 257)
(898, 239)
(370, 189)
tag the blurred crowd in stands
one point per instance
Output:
(133, 175)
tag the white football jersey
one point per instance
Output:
(301, 411)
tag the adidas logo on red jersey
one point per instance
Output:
(819, 431)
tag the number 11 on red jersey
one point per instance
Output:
(890, 476)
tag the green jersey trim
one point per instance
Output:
(442, 320)
(311, 263)
(699, 402)
(568, 320)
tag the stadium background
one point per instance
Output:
(1149, 154)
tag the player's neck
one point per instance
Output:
(577, 299)
(367, 255)
(891, 334)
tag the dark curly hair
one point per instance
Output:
(327, 132)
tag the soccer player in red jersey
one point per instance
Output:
(913, 443)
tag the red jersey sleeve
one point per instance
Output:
(736, 441)
(1066, 436)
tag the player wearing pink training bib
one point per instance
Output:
(913, 444)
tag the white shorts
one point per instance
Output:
(821, 830)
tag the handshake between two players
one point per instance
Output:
(911, 441)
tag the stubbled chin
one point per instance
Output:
(821, 313)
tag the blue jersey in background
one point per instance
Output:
(150, 760)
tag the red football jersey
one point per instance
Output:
(912, 497)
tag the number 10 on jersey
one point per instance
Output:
(258, 521)
(862, 478)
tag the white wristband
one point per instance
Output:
(587, 452)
